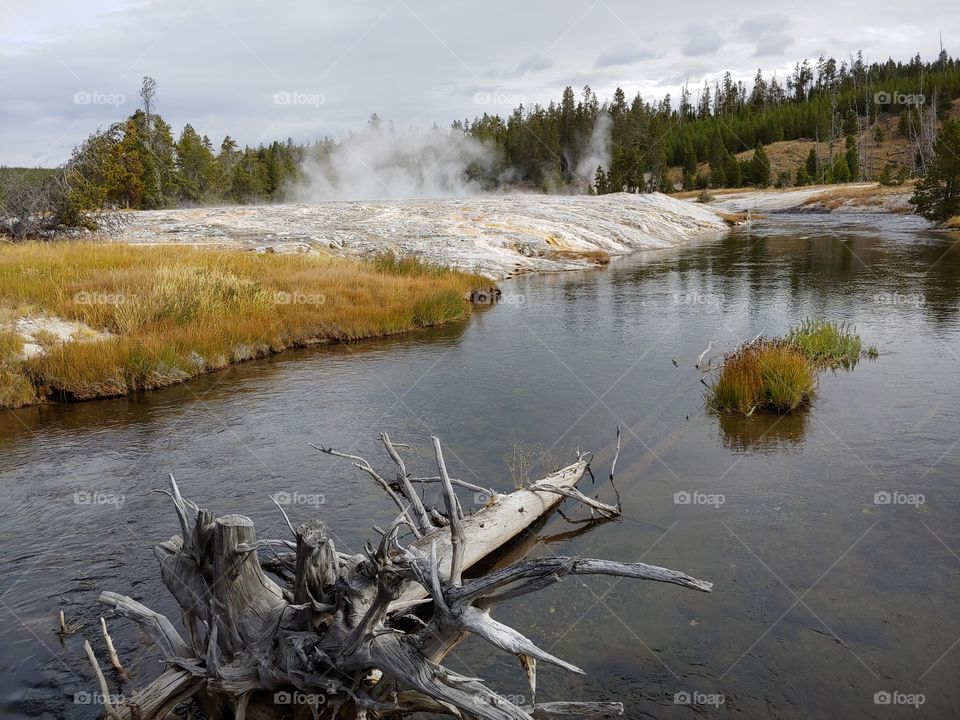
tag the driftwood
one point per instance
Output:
(356, 636)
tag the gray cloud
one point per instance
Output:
(219, 63)
(624, 55)
(773, 44)
(702, 39)
(527, 65)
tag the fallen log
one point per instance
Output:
(356, 636)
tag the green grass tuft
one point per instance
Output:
(826, 343)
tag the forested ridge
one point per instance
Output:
(576, 144)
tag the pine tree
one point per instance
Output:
(813, 166)
(841, 171)
(937, 195)
(600, 181)
(803, 177)
(853, 158)
(758, 169)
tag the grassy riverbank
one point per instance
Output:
(80, 320)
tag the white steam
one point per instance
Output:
(380, 164)
(598, 151)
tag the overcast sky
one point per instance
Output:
(268, 70)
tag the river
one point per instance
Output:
(825, 593)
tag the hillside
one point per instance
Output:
(788, 155)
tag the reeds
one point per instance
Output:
(175, 312)
(779, 374)
(766, 375)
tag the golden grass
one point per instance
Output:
(952, 223)
(857, 194)
(175, 312)
(16, 389)
(766, 375)
(595, 257)
(736, 218)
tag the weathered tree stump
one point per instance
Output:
(356, 636)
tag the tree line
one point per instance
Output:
(576, 144)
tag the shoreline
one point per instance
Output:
(85, 320)
(847, 198)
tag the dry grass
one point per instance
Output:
(952, 223)
(833, 196)
(594, 257)
(765, 375)
(16, 389)
(176, 312)
(737, 218)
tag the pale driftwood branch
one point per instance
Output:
(420, 512)
(457, 539)
(343, 629)
(461, 483)
(616, 455)
(709, 348)
(155, 625)
(101, 681)
(575, 710)
(362, 464)
(111, 650)
(608, 511)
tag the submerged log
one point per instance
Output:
(357, 636)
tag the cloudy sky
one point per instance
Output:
(262, 71)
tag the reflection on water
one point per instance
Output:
(822, 597)
(763, 432)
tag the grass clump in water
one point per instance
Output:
(768, 375)
(779, 374)
(828, 344)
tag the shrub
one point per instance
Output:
(764, 375)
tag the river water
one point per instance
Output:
(825, 594)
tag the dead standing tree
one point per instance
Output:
(356, 636)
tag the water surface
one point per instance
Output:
(822, 599)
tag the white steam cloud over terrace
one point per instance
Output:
(381, 164)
